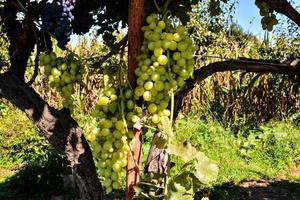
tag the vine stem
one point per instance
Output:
(172, 107)
(166, 6)
(172, 93)
(121, 80)
(166, 178)
(22, 6)
(156, 5)
(165, 14)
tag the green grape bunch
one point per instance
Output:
(268, 17)
(111, 135)
(165, 62)
(62, 74)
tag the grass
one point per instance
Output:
(265, 153)
(29, 167)
(13, 126)
(269, 152)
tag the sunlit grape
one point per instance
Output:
(148, 85)
(147, 96)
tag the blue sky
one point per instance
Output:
(247, 15)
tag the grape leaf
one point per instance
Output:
(185, 151)
(177, 191)
(205, 170)
(184, 179)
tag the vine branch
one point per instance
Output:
(285, 8)
(24, 42)
(247, 65)
(114, 51)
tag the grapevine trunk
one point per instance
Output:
(60, 129)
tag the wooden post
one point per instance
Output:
(135, 35)
(135, 39)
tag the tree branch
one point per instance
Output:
(246, 65)
(11, 3)
(7, 17)
(285, 8)
(114, 51)
(23, 42)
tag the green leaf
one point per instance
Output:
(185, 151)
(205, 170)
(184, 180)
(177, 191)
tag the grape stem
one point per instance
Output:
(172, 107)
(172, 92)
(166, 6)
(156, 5)
(166, 14)
(150, 127)
(21, 5)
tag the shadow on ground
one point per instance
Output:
(36, 183)
(254, 190)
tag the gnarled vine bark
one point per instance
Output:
(284, 7)
(60, 129)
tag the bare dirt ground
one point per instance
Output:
(281, 189)
(265, 190)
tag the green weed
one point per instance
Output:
(261, 153)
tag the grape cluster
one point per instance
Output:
(56, 19)
(111, 135)
(165, 62)
(62, 74)
(268, 17)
